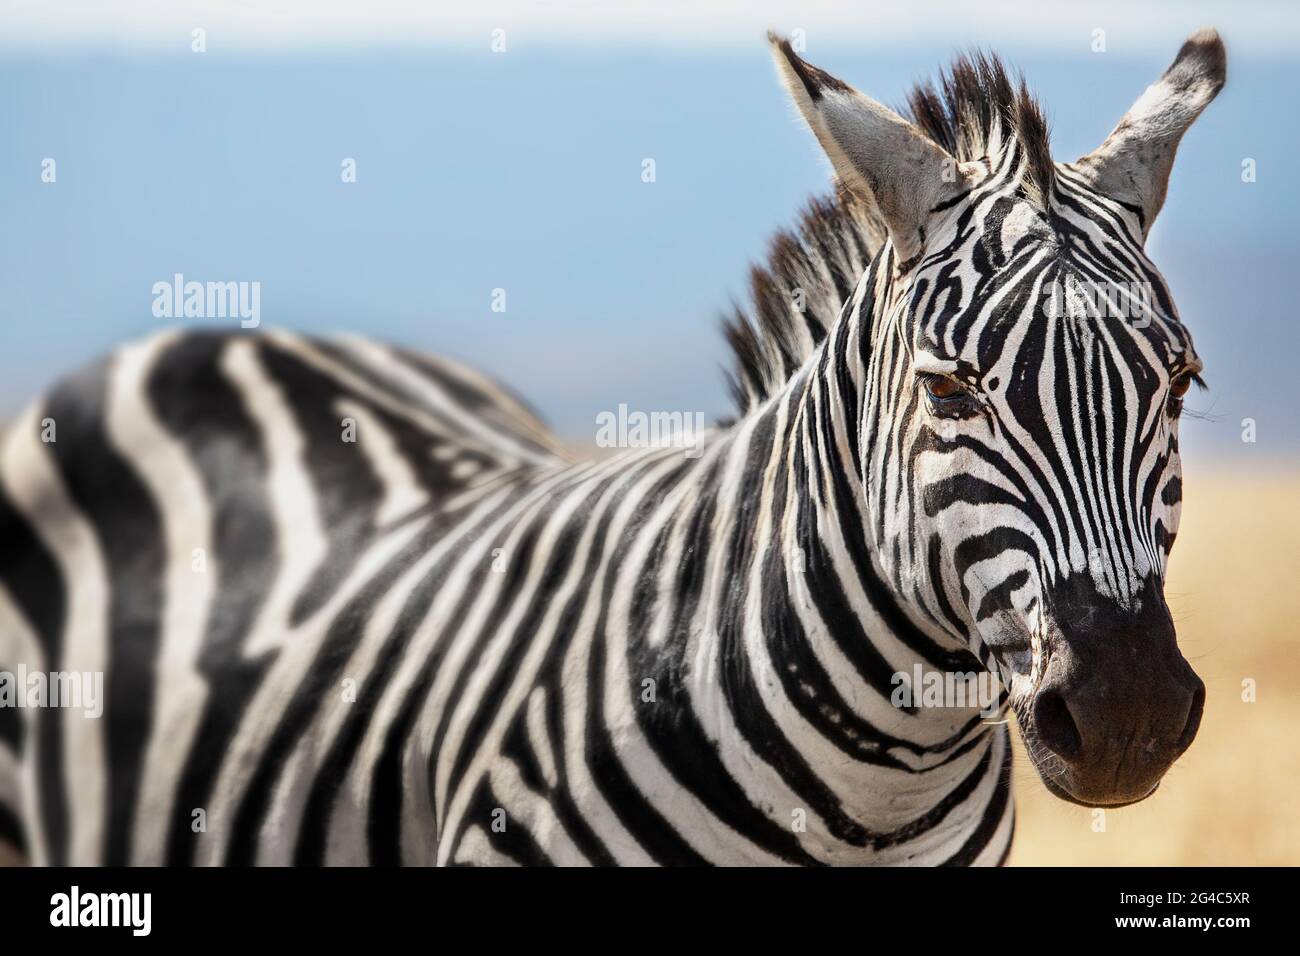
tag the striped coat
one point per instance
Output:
(352, 604)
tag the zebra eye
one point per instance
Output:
(1179, 386)
(941, 388)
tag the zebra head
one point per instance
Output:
(1023, 372)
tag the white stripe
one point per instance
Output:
(35, 486)
(538, 737)
(168, 473)
(300, 539)
(529, 809)
(18, 777)
(476, 848)
(401, 490)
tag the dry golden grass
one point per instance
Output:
(1234, 588)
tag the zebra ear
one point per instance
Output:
(876, 153)
(1133, 164)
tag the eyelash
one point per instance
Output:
(1175, 402)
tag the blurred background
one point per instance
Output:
(501, 145)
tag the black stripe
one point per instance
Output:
(35, 582)
(128, 528)
(199, 407)
(346, 490)
(11, 830)
(992, 816)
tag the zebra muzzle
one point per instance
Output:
(1116, 706)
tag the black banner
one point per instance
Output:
(352, 905)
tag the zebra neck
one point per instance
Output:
(793, 659)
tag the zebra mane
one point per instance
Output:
(975, 111)
(797, 296)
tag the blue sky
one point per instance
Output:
(522, 171)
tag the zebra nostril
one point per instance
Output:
(1193, 717)
(1055, 724)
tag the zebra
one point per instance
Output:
(355, 605)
